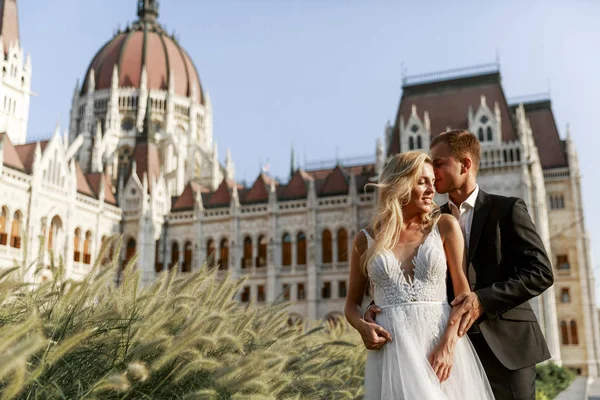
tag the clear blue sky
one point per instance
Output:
(325, 75)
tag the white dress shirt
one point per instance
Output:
(464, 214)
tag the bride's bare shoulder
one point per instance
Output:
(447, 224)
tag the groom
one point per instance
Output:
(507, 265)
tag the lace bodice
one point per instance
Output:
(428, 283)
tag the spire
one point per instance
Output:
(9, 23)
(147, 10)
(147, 133)
(293, 162)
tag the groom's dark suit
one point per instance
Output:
(507, 266)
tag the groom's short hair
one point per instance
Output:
(462, 143)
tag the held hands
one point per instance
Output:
(441, 359)
(373, 335)
(466, 309)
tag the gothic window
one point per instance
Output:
(55, 225)
(3, 220)
(125, 160)
(187, 257)
(174, 254)
(15, 235)
(326, 247)
(480, 134)
(210, 253)
(574, 336)
(414, 129)
(565, 296)
(484, 119)
(247, 259)
(342, 289)
(326, 290)
(411, 143)
(564, 333)
(245, 296)
(127, 124)
(130, 251)
(260, 295)
(224, 254)
(342, 245)
(158, 265)
(419, 142)
(76, 245)
(87, 244)
(301, 294)
(262, 251)
(562, 262)
(557, 201)
(301, 249)
(286, 250)
(489, 133)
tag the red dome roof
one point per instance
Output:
(145, 43)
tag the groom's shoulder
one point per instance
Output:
(501, 201)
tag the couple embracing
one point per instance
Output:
(450, 318)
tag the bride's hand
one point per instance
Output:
(441, 359)
(374, 336)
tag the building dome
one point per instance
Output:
(145, 44)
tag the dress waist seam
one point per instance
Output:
(411, 303)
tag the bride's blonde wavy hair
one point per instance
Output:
(399, 176)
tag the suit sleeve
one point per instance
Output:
(533, 270)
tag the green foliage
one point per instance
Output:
(183, 337)
(551, 380)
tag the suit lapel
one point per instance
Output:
(480, 214)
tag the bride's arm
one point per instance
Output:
(373, 335)
(454, 247)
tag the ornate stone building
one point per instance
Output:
(139, 160)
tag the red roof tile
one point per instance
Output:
(94, 182)
(9, 23)
(545, 134)
(11, 157)
(336, 183)
(259, 191)
(83, 186)
(448, 101)
(188, 198)
(297, 187)
(26, 153)
(221, 197)
(147, 160)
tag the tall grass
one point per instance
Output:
(184, 336)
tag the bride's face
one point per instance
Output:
(421, 200)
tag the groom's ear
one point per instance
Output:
(467, 163)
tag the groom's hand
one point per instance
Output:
(467, 309)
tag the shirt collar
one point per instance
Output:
(470, 201)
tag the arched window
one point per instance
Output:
(419, 142)
(411, 143)
(301, 248)
(15, 235)
(3, 219)
(286, 250)
(489, 133)
(158, 265)
(574, 337)
(174, 254)
(210, 253)
(187, 257)
(564, 333)
(76, 245)
(326, 244)
(261, 260)
(480, 134)
(55, 227)
(130, 252)
(247, 259)
(224, 254)
(87, 244)
(342, 245)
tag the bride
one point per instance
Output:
(405, 253)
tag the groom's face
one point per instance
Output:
(447, 169)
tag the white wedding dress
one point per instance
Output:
(415, 312)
